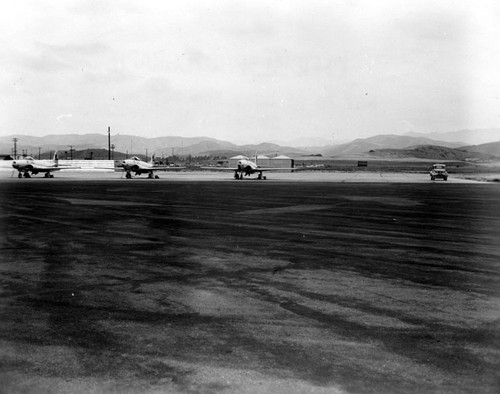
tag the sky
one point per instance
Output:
(249, 71)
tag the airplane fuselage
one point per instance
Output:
(247, 168)
(30, 166)
(138, 167)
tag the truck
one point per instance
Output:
(438, 171)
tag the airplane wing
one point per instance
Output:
(257, 169)
(214, 168)
(40, 168)
(148, 170)
(163, 168)
(274, 169)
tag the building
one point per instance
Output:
(282, 162)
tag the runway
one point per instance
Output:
(194, 286)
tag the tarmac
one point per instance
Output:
(197, 283)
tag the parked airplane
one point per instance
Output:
(29, 166)
(247, 167)
(141, 167)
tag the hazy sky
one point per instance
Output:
(249, 71)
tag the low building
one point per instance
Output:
(282, 161)
(262, 161)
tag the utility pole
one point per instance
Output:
(71, 151)
(112, 151)
(15, 147)
(39, 150)
(109, 143)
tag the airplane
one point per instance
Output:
(247, 167)
(141, 167)
(29, 166)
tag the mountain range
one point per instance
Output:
(477, 153)
(470, 141)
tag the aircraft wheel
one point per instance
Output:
(128, 175)
(20, 175)
(51, 176)
(157, 177)
(264, 177)
(27, 175)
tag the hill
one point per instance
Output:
(390, 141)
(433, 152)
(492, 148)
(129, 144)
(468, 137)
(204, 146)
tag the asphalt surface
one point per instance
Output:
(249, 286)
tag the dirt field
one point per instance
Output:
(377, 284)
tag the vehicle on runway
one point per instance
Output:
(246, 167)
(139, 167)
(438, 171)
(29, 166)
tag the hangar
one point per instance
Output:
(282, 161)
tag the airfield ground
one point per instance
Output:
(364, 283)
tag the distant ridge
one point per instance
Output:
(491, 148)
(206, 146)
(467, 137)
(390, 141)
(160, 146)
(433, 152)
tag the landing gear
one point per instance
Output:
(27, 174)
(260, 176)
(20, 175)
(128, 175)
(48, 175)
(150, 175)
